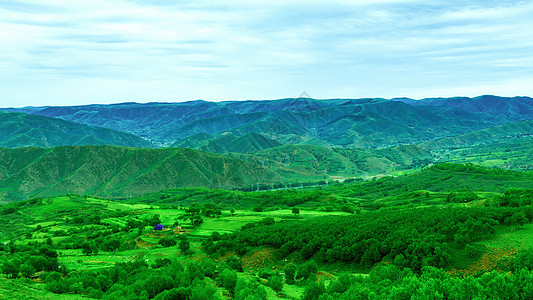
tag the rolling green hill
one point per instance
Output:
(227, 143)
(362, 123)
(513, 152)
(24, 130)
(119, 171)
(457, 230)
(305, 162)
(489, 135)
(511, 109)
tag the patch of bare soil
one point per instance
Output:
(494, 259)
(258, 259)
(140, 243)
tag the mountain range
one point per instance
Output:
(25, 130)
(364, 123)
(51, 150)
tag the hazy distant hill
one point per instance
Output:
(489, 135)
(120, 171)
(511, 109)
(24, 130)
(364, 123)
(227, 143)
(303, 162)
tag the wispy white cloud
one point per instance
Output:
(95, 51)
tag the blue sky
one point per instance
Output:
(94, 51)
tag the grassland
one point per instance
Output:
(67, 223)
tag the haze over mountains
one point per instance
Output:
(24, 130)
(251, 142)
(366, 123)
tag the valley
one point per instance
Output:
(239, 241)
(291, 198)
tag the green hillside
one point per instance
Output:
(489, 135)
(227, 143)
(447, 232)
(119, 171)
(309, 161)
(24, 130)
(513, 152)
(363, 123)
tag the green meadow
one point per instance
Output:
(449, 223)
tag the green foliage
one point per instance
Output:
(412, 237)
(290, 273)
(306, 270)
(524, 260)
(423, 236)
(24, 130)
(111, 245)
(228, 279)
(314, 290)
(10, 269)
(461, 197)
(27, 270)
(184, 245)
(196, 169)
(89, 248)
(389, 282)
(234, 262)
(168, 242)
(275, 282)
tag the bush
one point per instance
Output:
(168, 242)
(275, 282)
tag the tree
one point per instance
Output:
(10, 269)
(89, 248)
(275, 282)
(27, 270)
(196, 220)
(228, 279)
(184, 245)
(215, 236)
(155, 220)
(306, 270)
(167, 242)
(295, 210)
(290, 271)
(313, 290)
(234, 262)
(112, 245)
(46, 251)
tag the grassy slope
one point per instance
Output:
(116, 171)
(227, 143)
(489, 135)
(23, 130)
(52, 213)
(27, 289)
(302, 162)
(515, 152)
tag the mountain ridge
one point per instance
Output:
(120, 171)
(26, 130)
(365, 122)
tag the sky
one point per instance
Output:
(73, 52)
